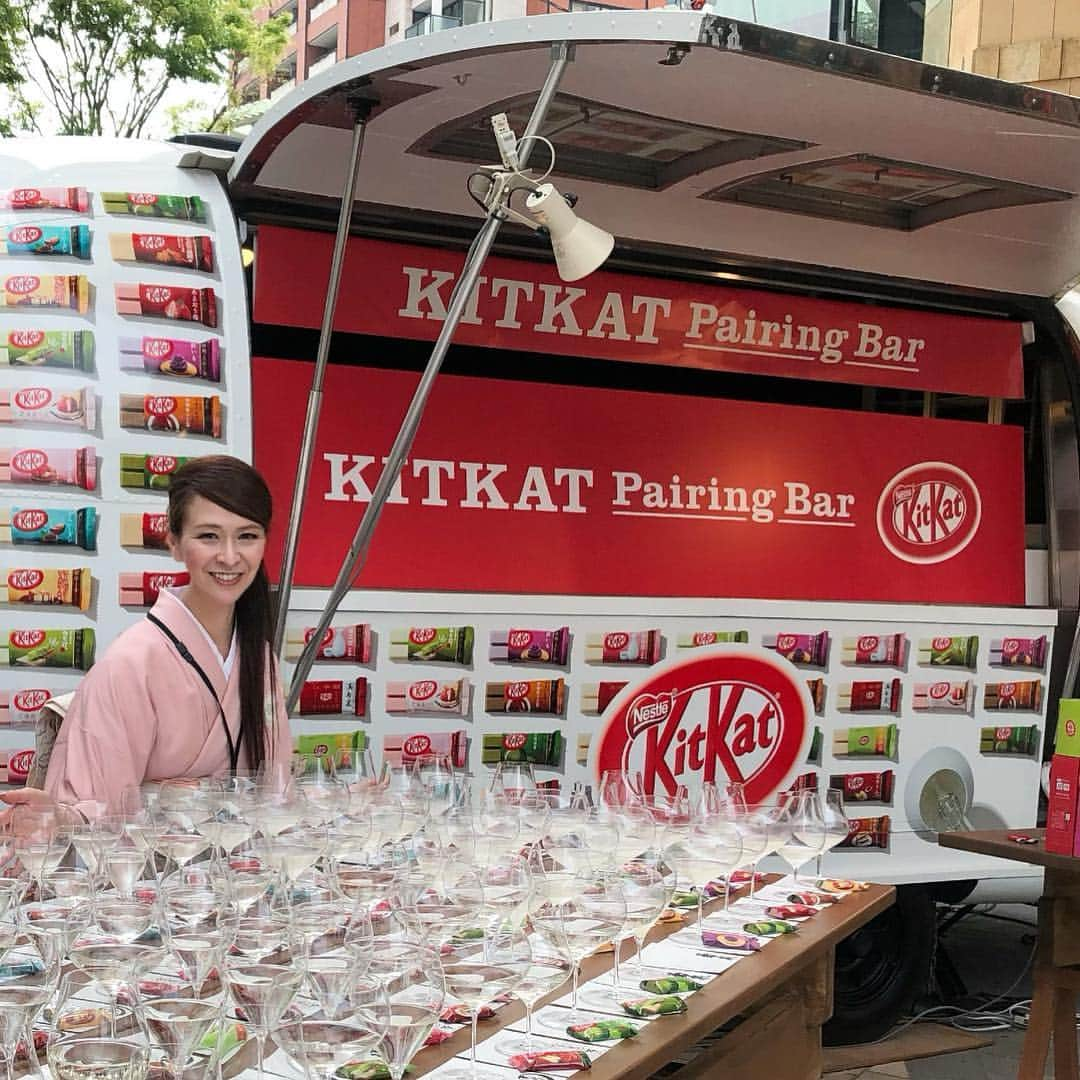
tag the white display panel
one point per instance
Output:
(1003, 787)
(104, 165)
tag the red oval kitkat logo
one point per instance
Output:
(29, 461)
(160, 464)
(21, 284)
(30, 700)
(141, 198)
(29, 520)
(514, 740)
(24, 234)
(617, 641)
(160, 405)
(26, 639)
(928, 512)
(518, 639)
(421, 635)
(415, 745)
(423, 690)
(31, 398)
(25, 579)
(716, 716)
(939, 690)
(26, 339)
(156, 348)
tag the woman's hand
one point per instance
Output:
(25, 796)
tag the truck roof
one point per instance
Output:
(698, 138)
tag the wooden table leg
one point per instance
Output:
(1037, 1039)
(1065, 1061)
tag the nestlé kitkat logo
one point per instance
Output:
(741, 715)
(423, 690)
(30, 700)
(416, 745)
(29, 520)
(928, 512)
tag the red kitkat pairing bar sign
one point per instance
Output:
(527, 488)
(402, 290)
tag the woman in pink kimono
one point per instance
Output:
(192, 690)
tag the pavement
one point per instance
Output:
(990, 955)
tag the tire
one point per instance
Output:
(882, 969)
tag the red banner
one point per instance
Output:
(527, 488)
(402, 290)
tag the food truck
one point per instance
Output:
(752, 501)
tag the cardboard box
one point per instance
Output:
(1061, 833)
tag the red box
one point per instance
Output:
(1061, 833)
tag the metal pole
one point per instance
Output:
(314, 404)
(474, 261)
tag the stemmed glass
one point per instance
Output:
(513, 779)
(494, 964)
(619, 790)
(507, 888)
(321, 1045)
(755, 829)
(53, 925)
(41, 839)
(199, 922)
(548, 970)
(439, 781)
(835, 819)
(97, 1059)
(801, 814)
(414, 979)
(22, 997)
(648, 882)
(260, 976)
(174, 832)
(177, 1022)
(89, 1008)
(355, 769)
(705, 854)
(577, 917)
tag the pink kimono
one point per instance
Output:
(142, 713)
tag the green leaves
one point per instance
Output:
(103, 66)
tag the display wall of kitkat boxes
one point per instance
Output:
(124, 351)
(499, 687)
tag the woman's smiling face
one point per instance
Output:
(221, 551)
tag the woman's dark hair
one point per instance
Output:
(235, 486)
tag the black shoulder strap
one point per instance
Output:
(185, 653)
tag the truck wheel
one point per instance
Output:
(882, 969)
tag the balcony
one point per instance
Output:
(280, 87)
(431, 24)
(321, 9)
(324, 62)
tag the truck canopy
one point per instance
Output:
(698, 140)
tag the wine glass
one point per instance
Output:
(506, 890)
(754, 825)
(497, 827)
(648, 882)
(177, 1022)
(402, 783)
(259, 977)
(40, 840)
(97, 1059)
(22, 997)
(52, 925)
(89, 1008)
(548, 969)
(296, 850)
(801, 814)
(414, 980)
(618, 790)
(200, 924)
(513, 779)
(577, 924)
(321, 1045)
(355, 769)
(175, 835)
(439, 780)
(703, 855)
(494, 964)
(835, 819)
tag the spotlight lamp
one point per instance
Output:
(579, 246)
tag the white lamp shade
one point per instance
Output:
(579, 247)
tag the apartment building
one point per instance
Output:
(324, 31)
